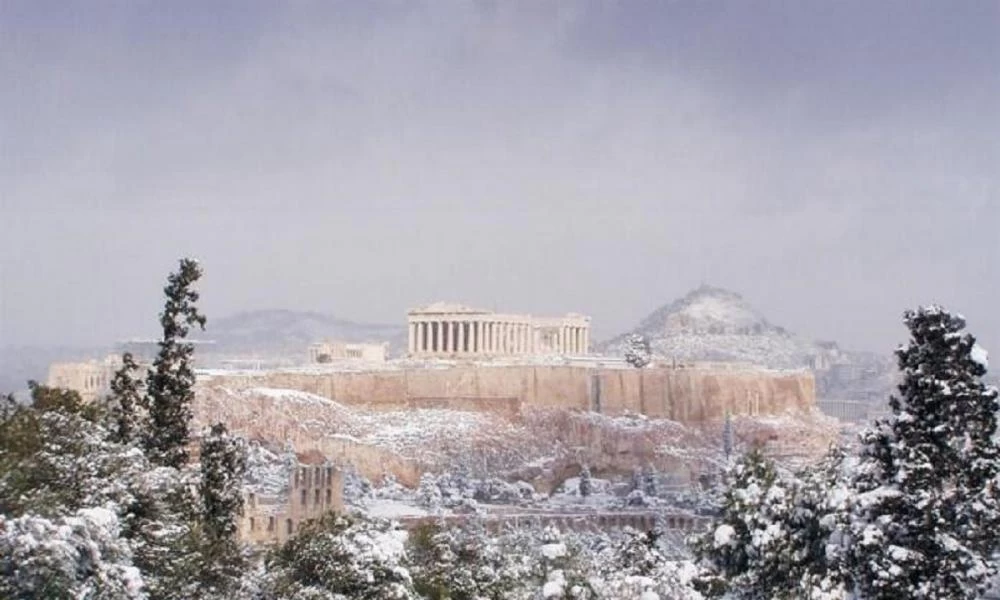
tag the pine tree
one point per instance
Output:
(125, 401)
(637, 351)
(171, 382)
(926, 506)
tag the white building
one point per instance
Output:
(453, 330)
(324, 352)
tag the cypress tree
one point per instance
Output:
(125, 401)
(223, 467)
(586, 485)
(170, 384)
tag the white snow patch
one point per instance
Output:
(980, 355)
(724, 535)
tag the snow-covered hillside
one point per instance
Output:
(713, 324)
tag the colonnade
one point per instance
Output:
(493, 337)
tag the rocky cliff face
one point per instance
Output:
(537, 445)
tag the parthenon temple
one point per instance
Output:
(451, 330)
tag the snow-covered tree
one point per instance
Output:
(341, 556)
(429, 493)
(637, 352)
(461, 564)
(55, 461)
(126, 401)
(636, 567)
(68, 558)
(925, 509)
(170, 384)
(558, 568)
(746, 552)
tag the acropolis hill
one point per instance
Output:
(470, 359)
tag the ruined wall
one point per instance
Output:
(313, 491)
(687, 395)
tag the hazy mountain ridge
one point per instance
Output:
(281, 331)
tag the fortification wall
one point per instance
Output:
(686, 395)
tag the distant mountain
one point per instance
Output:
(289, 332)
(718, 325)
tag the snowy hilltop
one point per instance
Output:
(717, 325)
(713, 324)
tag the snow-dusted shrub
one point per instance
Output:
(497, 491)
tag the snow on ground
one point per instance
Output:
(406, 430)
(287, 395)
(385, 508)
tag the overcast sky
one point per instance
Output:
(834, 162)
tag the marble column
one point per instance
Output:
(461, 338)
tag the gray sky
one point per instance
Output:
(835, 162)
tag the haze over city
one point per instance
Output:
(835, 164)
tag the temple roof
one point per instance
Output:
(448, 308)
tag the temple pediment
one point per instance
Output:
(444, 308)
